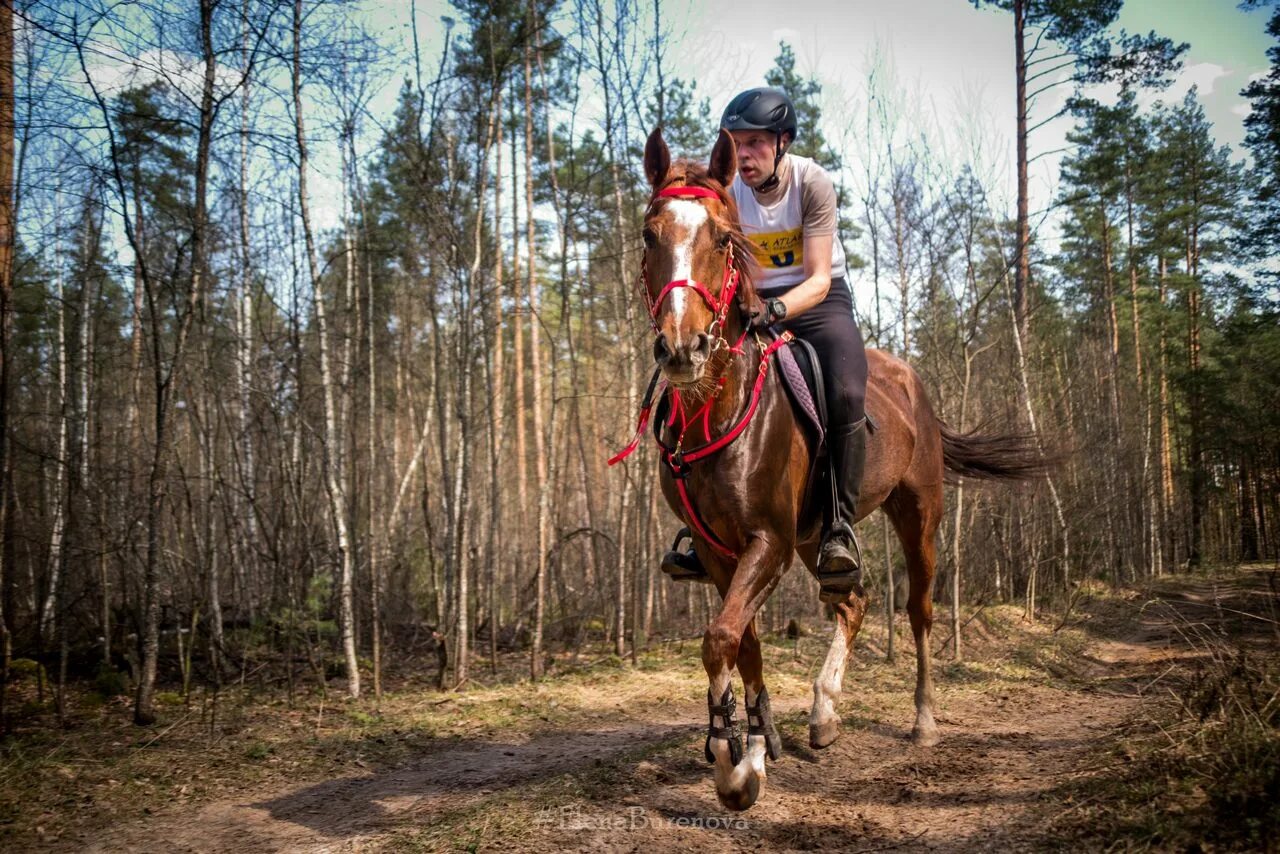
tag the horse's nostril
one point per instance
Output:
(701, 347)
(661, 350)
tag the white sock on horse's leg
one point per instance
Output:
(824, 719)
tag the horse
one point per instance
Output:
(745, 491)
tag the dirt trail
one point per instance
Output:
(341, 813)
(1008, 743)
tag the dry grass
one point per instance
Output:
(1201, 769)
(1202, 766)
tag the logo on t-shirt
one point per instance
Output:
(778, 249)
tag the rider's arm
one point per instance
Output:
(817, 270)
(821, 215)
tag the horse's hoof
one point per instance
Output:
(925, 737)
(743, 799)
(821, 735)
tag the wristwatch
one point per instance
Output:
(777, 309)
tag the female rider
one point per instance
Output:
(788, 210)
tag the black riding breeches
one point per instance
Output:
(832, 330)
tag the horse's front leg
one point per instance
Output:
(730, 642)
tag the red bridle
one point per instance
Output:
(728, 285)
(676, 456)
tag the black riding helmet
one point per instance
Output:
(763, 109)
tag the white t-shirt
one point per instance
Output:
(803, 204)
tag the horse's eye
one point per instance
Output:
(649, 237)
(723, 240)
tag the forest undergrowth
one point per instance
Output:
(1195, 759)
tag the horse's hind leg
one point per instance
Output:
(824, 717)
(915, 514)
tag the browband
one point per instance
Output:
(686, 193)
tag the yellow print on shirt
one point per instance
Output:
(778, 250)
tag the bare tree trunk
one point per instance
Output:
(1195, 404)
(1022, 265)
(247, 565)
(144, 709)
(8, 226)
(45, 620)
(77, 449)
(625, 327)
(376, 524)
(1114, 475)
(518, 309)
(497, 387)
(959, 514)
(1166, 436)
(462, 657)
(890, 606)
(331, 457)
(535, 346)
(1024, 388)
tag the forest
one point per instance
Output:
(295, 391)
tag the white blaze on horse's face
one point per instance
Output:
(690, 216)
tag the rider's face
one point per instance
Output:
(756, 150)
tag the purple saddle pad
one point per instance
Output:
(801, 394)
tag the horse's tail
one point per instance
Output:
(994, 456)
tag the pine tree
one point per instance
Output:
(1199, 210)
(1077, 41)
(804, 93)
(1262, 138)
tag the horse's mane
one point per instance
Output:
(691, 173)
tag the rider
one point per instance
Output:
(788, 210)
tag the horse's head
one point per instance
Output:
(693, 252)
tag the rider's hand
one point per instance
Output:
(769, 312)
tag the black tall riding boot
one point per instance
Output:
(840, 560)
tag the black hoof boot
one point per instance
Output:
(725, 710)
(684, 564)
(760, 722)
(839, 564)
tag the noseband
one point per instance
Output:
(728, 285)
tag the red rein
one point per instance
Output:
(675, 457)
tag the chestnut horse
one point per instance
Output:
(747, 500)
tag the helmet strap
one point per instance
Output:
(769, 183)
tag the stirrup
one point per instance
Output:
(726, 709)
(839, 568)
(760, 722)
(684, 564)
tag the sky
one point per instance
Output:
(950, 66)
(958, 59)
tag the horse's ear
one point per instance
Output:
(724, 159)
(657, 158)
